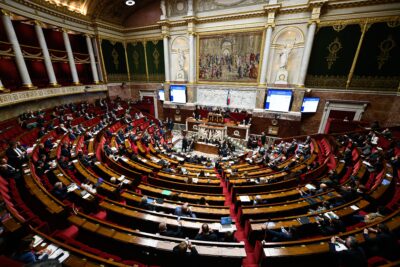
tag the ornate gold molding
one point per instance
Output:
(344, 22)
(24, 96)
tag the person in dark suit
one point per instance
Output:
(263, 138)
(354, 256)
(15, 156)
(229, 237)
(184, 211)
(42, 132)
(384, 244)
(60, 191)
(164, 231)
(143, 204)
(65, 151)
(184, 144)
(183, 257)
(7, 171)
(108, 150)
(26, 255)
(42, 151)
(205, 234)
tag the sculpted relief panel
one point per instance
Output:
(239, 98)
(207, 5)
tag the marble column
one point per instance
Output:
(19, 58)
(97, 53)
(192, 66)
(92, 60)
(267, 47)
(307, 53)
(71, 61)
(46, 55)
(166, 59)
(155, 103)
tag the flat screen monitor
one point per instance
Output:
(161, 94)
(310, 104)
(278, 100)
(178, 94)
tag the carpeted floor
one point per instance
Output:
(249, 261)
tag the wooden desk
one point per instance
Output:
(125, 240)
(213, 199)
(206, 148)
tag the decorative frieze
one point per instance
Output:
(24, 96)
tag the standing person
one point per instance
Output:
(263, 138)
(184, 144)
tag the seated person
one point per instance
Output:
(384, 244)
(229, 237)
(184, 211)
(331, 226)
(354, 256)
(89, 187)
(26, 255)
(60, 191)
(183, 256)
(7, 171)
(143, 204)
(163, 230)
(205, 234)
(279, 236)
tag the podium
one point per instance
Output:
(215, 117)
(211, 132)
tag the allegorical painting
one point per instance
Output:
(231, 57)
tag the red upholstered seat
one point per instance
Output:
(377, 261)
(101, 215)
(70, 232)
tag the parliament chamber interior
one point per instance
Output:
(155, 133)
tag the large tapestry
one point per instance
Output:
(155, 60)
(233, 57)
(378, 65)
(136, 61)
(114, 60)
(332, 55)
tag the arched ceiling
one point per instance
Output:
(113, 11)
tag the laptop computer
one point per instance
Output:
(226, 222)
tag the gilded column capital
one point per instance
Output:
(316, 6)
(38, 23)
(269, 25)
(6, 12)
(315, 21)
(88, 35)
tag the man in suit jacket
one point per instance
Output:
(205, 234)
(354, 256)
(15, 156)
(163, 230)
(184, 211)
(384, 244)
(7, 171)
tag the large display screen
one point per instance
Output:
(310, 104)
(161, 94)
(178, 93)
(278, 100)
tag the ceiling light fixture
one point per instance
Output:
(129, 2)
